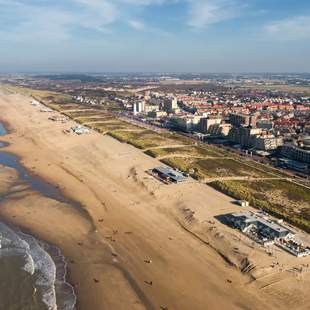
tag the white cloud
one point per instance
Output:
(295, 28)
(137, 25)
(203, 13)
(147, 2)
(22, 20)
(49, 20)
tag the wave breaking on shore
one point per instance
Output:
(35, 266)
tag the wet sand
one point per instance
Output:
(127, 219)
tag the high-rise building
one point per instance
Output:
(206, 122)
(243, 135)
(138, 107)
(267, 142)
(187, 123)
(171, 105)
(246, 120)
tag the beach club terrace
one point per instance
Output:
(264, 227)
(260, 228)
(168, 174)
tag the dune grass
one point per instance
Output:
(142, 139)
(201, 169)
(281, 198)
(188, 150)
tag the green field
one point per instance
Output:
(85, 113)
(188, 150)
(214, 168)
(272, 171)
(293, 89)
(71, 106)
(143, 139)
(179, 139)
(100, 119)
(112, 126)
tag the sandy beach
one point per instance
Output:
(126, 245)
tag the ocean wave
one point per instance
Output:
(45, 270)
(29, 264)
(38, 262)
(66, 298)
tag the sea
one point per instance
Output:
(33, 273)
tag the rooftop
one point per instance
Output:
(176, 176)
(254, 217)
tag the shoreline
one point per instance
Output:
(134, 217)
(55, 192)
(47, 247)
(63, 279)
(6, 126)
(60, 277)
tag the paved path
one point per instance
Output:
(96, 115)
(242, 178)
(77, 110)
(167, 146)
(131, 130)
(190, 156)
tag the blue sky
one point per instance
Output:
(155, 35)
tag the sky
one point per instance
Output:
(155, 36)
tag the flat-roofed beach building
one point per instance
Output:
(266, 228)
(170, 174)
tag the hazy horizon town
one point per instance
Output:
(257, 114)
